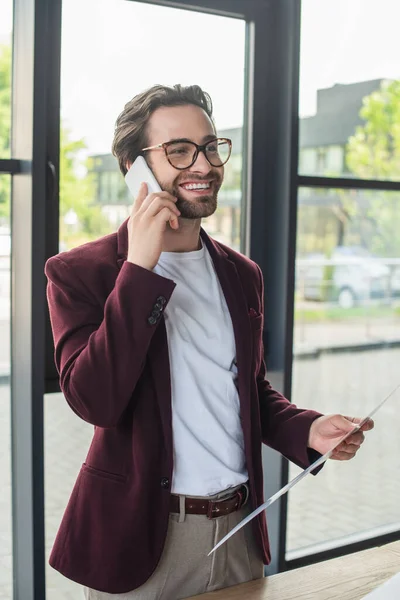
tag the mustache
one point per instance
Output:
(200, 179)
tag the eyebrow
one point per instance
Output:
(205, 139)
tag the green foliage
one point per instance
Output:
(5, 120)
(77, 190)
(327, 284)
(374, 152)
(326, 312)
(5, 100)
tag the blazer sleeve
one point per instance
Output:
(284, 427)
(100, 351)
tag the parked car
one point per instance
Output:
(5, 251)
(351, 276)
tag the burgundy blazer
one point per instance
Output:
(112, 356)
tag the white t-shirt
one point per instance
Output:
(207, 431)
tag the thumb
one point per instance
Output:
(344, 424)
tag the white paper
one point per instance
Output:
(390, 590)
(300, 476)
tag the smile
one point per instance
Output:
(196, 186)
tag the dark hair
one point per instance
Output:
(130, 134)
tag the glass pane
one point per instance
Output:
(67, 440)
(5, 396)
(94, 199)
(349, 89)
(97, 81)
(346, 359)
(6, 11)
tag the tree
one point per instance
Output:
(373, 152)
(77, 195)
(77, 192)
(5, 120)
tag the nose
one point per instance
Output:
(201, 165)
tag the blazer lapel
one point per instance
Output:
(122, 243)
(157, 354)
(159, 363)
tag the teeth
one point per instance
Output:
(197, 186)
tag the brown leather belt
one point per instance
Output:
(211, 508)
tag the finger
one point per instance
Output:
(174, 222)
(165, 215)
(151, 198)
(342, 424)
(356, 438)
(342, 456)
(349, 448)
(157, 205)
(369, 423)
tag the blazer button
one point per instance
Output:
(162, 300)
(165, 483)
(152, 320)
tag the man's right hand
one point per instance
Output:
(147, 224)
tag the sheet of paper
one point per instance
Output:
(301, 475)
(390, 590)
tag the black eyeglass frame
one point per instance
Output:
(198, 148)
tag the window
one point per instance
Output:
(346, 353)
(108, 76)
(5, 396)
(97, 80)
(350, 87)
(5, 83)
(6, 581)
(347, 268)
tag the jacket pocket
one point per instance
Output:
(103, 474)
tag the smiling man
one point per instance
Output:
(158, 337)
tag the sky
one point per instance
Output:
(113, 49)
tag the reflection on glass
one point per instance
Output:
(5, 93)
(93, 198)
(349, 89)
(346, 357)
(5, 397)
(67, 440)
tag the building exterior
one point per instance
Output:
(322, 152)
(323, 136)
(323, 139)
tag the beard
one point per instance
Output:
(199, 207)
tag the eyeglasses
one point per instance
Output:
(182, 154)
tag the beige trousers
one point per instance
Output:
(185, 569)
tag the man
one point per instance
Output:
(158, 342)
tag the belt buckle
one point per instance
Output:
(243, 496)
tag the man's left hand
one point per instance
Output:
(327, 431)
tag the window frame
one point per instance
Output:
(363, 540)
(269, 226)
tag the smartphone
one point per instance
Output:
(138, 173)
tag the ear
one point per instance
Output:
(128, 165)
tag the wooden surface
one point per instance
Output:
(346, 578)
